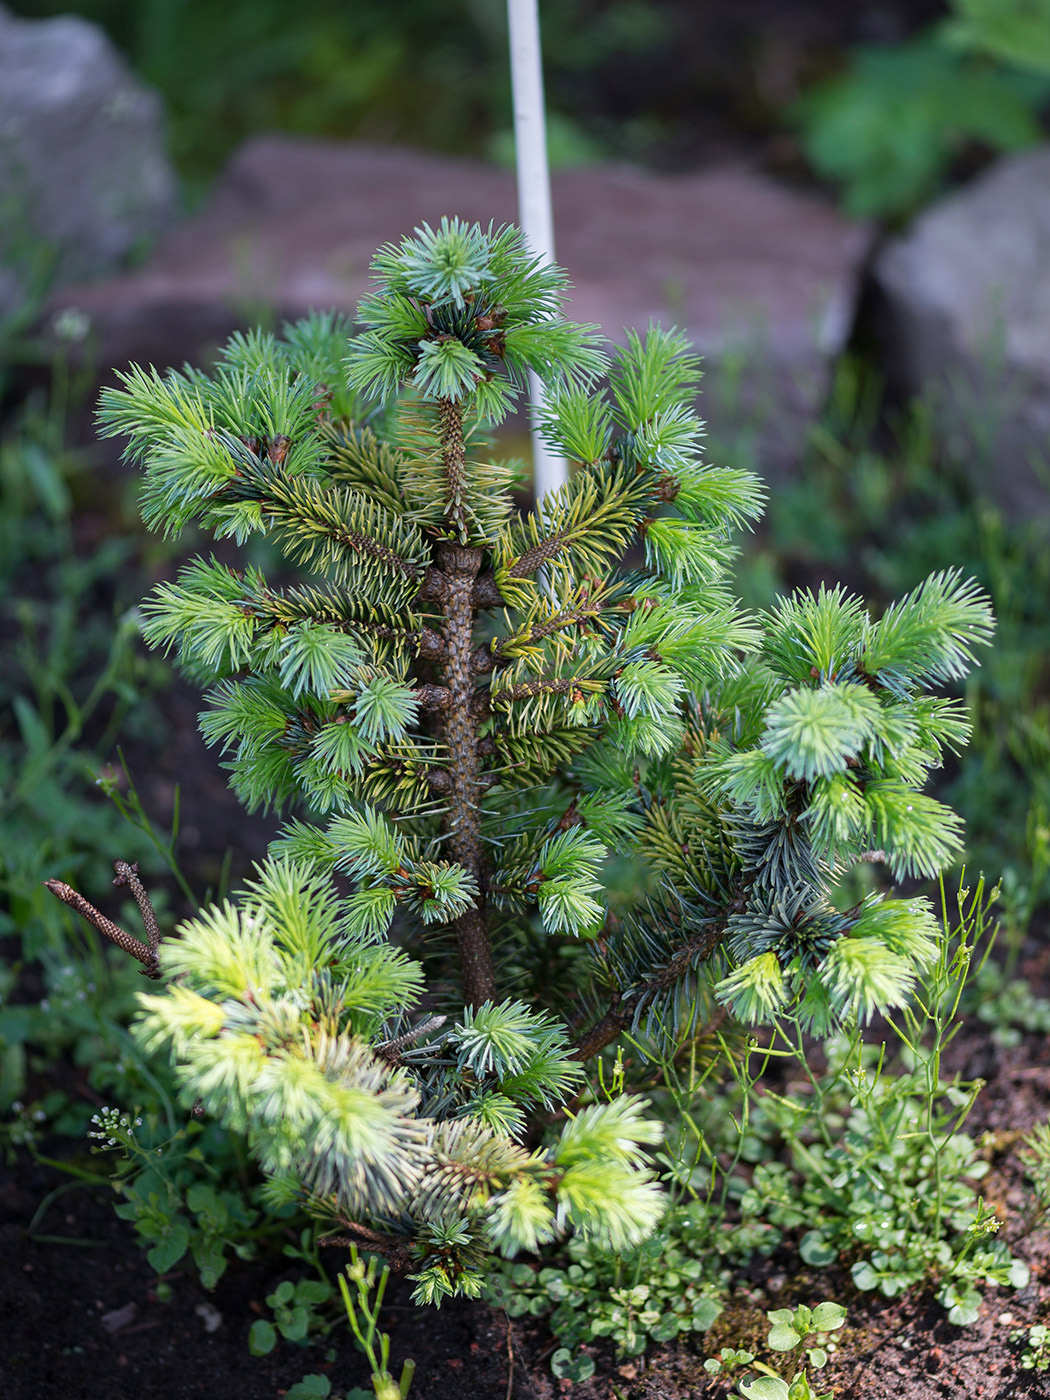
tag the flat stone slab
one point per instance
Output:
(966, 310)
(757, 274)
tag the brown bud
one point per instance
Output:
(278, 449)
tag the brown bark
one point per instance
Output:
(459, 567)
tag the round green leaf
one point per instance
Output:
(312, 1290)
(816, 1250)
(666, 1327)
(572, 1368)
(964, 1313)
(783, 1337)
(765, 1388)
(262, 1337)
(864, 1276)
(828, 1317)
(294, 1324)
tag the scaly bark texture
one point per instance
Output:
(128, 875)
(459, 566)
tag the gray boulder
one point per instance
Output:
(762, 278)
(965, 312)
(83, 174)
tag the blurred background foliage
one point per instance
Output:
(885, 101)
(414, 72)
(888, 128)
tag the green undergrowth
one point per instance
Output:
(72, 684)
(411, 74)
(861, 1166)
(76, 683)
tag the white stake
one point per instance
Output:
(534, 193)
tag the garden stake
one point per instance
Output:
(534, 198)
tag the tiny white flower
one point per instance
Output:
(71, 324)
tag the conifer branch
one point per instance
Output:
(486, 592)
(625, 1008)
(145, 953)
(538, 632)
(540, 553)
(310, 514)
(541, 685)
(128, 874)
(390, 1049)
(454, 464)
(336, 608)
(396, 1252)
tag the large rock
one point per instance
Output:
(966, 311)
(758, 275)
(83, 175)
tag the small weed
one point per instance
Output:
(297, 1315)
(878, 1163)
(666, 1286)
(791, 1327)
(1036, 1160)
(727, 1361)
(1036, 1354)
(369, 1284)
(173, 1209)
(858, 1163)
(788, 1329)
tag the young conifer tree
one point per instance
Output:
(473, 710)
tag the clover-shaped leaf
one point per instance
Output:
(784, 1333)
(572, 1368)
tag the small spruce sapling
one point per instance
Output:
(473, 709)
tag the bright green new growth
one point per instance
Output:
(473, 710)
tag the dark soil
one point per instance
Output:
(59, 1338)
